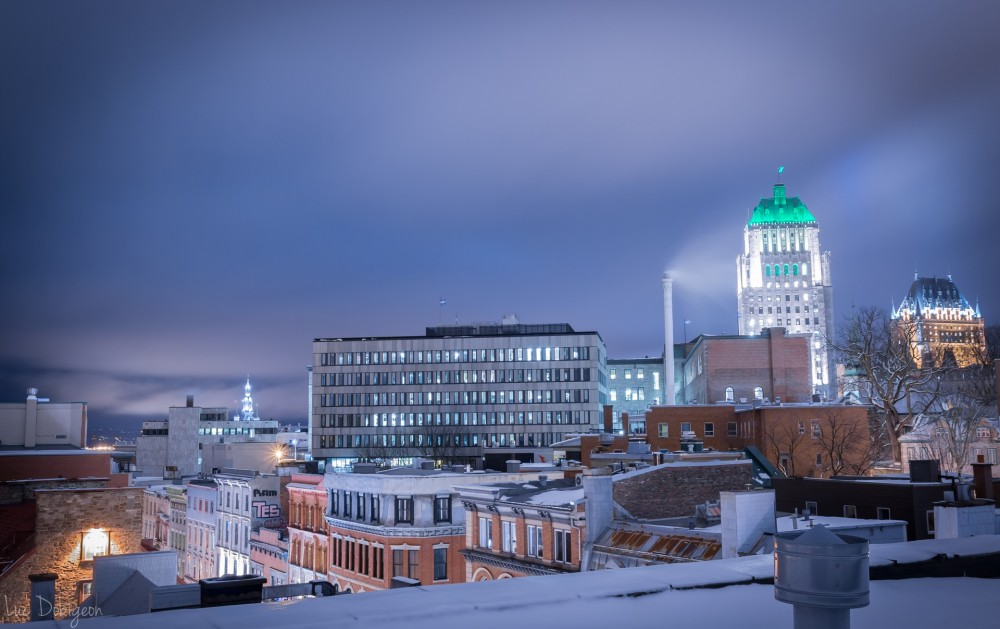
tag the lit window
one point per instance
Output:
(96, 543)
(486, 533)
(509, 536)
(534, 541)
(639, 374)
(563, 546)
(628, 374)
(730, 394)
(614, 395)
(613, 374)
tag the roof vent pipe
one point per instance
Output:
(824, 575)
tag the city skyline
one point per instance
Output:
(193, 193)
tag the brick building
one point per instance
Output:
(308, 537)
(403, 522)
(72, 527)
(801, 439)
(771, 366)
(269, 555)
(518, 529)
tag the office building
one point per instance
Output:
(458, 393)
(634, 386)
(177, 442)
(783, 280)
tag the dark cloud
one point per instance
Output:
(194, 191)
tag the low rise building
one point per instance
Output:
(246, 500)
(308, 536)
(269, 555)
(199, 548)
(405, 523)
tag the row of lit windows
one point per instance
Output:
(437, 398)
(798, 321)
(636, 395)
(778, 269)
(640, 373)
(492, 418)
(241, 429)
(388, 378)
(770, 309)
(493, 355)
(410, 440)
(562, 540)
(708, 429)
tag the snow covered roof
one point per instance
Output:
(733, 594)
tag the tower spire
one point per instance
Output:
(247, 414)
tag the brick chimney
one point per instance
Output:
(982, 478)
(608, 418)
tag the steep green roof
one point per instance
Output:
(780, 209)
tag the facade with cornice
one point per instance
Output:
(308, 535)
(783, 280)
(404, 522)
(523, 529)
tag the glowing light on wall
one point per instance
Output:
(96, 542)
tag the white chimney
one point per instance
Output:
(600, 501)
(746, 516)
(668, 339)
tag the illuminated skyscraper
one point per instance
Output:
(783, 279)
(947, 330)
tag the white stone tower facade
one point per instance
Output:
(783, 280)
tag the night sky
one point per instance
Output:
(191, 192)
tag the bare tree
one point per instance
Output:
(878, 355)
(850, 445)
(782, 438)
(383, 455)
(955, 431)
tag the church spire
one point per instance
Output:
(247, 414)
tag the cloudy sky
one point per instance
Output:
(193, 191)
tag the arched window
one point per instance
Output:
(758, 393)
(767, 270)
(786, 269)
(777, 270)
(730, 394)
(795, 269)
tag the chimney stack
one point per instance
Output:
(190, 401)
(668, 340)
(43, 596)
(608, 418)
(982, 478)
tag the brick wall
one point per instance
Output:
(674, 490)
(63, 516)
(55, 465)
(12, 492)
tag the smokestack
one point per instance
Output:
(608, 418)
(668, 339)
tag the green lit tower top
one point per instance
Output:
(780, 210)
(783, 278)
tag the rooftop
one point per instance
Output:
(780, 209)
(721, 593)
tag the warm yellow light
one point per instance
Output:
(96, 542)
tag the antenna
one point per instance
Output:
(781, 169)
